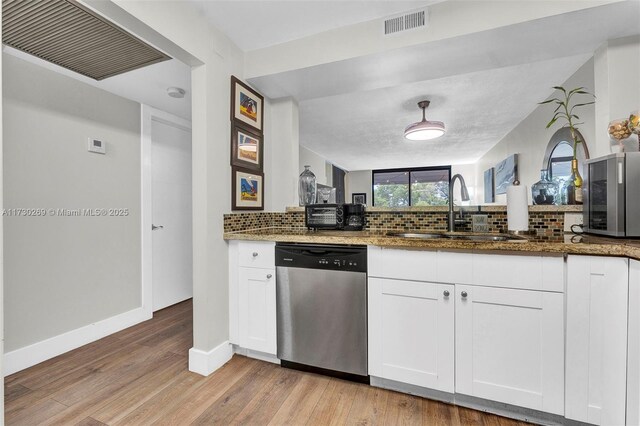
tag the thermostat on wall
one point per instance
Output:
(98, 146)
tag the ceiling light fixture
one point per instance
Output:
(424, 130)
(176, 92)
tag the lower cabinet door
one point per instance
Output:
(411, 332)
(257, 309)
(597, 300)
(510, 346)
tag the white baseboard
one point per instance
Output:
(31, 355)
(205, 363)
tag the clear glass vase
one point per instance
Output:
(307, 187)
(544, 191)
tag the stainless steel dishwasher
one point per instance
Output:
(321, 295)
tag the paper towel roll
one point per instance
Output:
(517, 208)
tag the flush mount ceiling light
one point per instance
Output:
(176, 92)
(424, 130)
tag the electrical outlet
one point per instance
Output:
(480, 223)
(572, 219)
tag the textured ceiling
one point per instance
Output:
(257, 24)
(364, 130)
(482, 85)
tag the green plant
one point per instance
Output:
(564, 110)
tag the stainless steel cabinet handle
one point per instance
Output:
(269, 276)
(446, 293)
(463, 294)
(255, 254)
(154, 227)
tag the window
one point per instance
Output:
(560, 161)
(425, 186)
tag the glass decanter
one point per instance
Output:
(307, 187)
(544, 191)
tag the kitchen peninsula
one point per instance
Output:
(524, 328)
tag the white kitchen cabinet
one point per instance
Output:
(597, 300)
(411, 332)
(252, 295)
(633, 362)
(257, 309)
(510, 346)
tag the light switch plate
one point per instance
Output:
(98, 146)
(480, 223)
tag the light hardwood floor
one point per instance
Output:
(139, 376)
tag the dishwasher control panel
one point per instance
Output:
(320, 256)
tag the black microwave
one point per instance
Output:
(347, 217)
(611, 195)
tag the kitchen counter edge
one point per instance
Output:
(593, 246)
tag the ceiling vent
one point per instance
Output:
(405, 22)
(70, 35)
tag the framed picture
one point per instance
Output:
(246, 148)
(489, 189)
(247, 189)
(506, 172)
(359, 198)
(246, 105)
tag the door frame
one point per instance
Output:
(148, 116)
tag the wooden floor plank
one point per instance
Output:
(369, 406)
(164, 401)
(140, 391)
(111, 384)
(139, 376)
(15, 391)
(209, 391)
(35, 414)
(89, 421)
(268, 401)
(403, 409)
(436, 413)
(335, 404)
(299, 405)
(232, 402)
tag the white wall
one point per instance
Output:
(358, 181)
(183, 25)
(617, 66)
(317, 162)
(529, 139)
(281, 155)
(63, 273)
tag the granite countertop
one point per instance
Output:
(569, 244)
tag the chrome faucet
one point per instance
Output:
(464, 194)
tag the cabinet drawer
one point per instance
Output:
(416, 265)
(521, 271)
(256, 254)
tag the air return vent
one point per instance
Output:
(404, 22)
(68, 34)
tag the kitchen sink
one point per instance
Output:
(417, 235)
(458, 236)
(486, 237)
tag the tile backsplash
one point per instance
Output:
(547, 223)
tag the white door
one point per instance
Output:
(411, 334)
(597, 297)
(172, 272)
(257, 309)
(510, 346)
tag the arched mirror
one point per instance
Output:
(557, 159)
